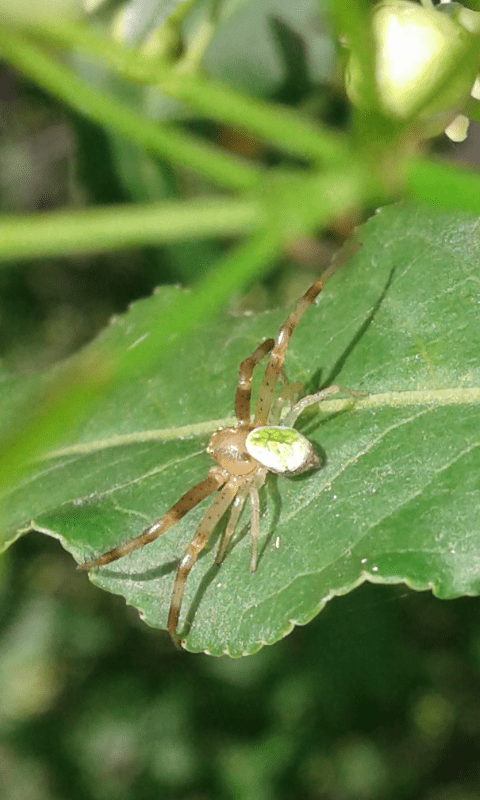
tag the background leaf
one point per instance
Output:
(398, 497)
(244, 52)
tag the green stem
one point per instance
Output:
(279, 126)
(192, 58)
(353, 23)
(179, 13)
(94, 230)
(177, 146)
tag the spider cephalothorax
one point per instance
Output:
(244, 453)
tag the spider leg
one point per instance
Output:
(277, 355)
(307, 401)
(200, 538)
(289, 393)
(245, 372)
(216, 478)
(258, 481)
(312, 399)
(237, 507)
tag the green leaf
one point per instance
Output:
(245, 37)
(398, 497)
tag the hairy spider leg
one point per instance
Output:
(212, 515)
(237, 507)
(215, 479)
(310, 400)
(289, 393)
(277, 355)
(249, 488)
(258, 481)
(245, 372)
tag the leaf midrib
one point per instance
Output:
(420, 397)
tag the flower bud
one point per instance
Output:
(425, 63)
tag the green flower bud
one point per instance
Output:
(425, 65)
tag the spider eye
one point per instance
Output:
(282, 450)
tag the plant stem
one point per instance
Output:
(178, 146)
(279, 126)
(98, 229)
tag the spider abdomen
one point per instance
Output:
(282, 450)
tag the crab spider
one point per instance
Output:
(244, 455)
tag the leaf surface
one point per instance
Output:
(398, 497)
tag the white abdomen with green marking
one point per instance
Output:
(284, 451)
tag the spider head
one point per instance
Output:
(227, 447)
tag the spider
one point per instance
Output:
(244, 455)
